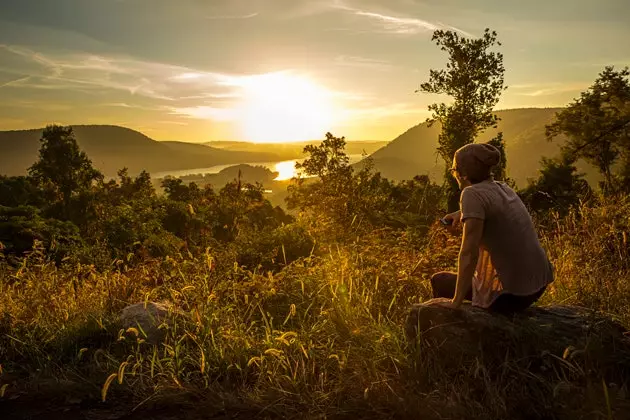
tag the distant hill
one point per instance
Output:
(112, 147)
(248, 173)
(414, 152)
(289, 151)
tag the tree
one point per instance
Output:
(559, 187)
(474, 79)
(328, 195)
(597, 124)
(62, 169)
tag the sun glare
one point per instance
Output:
(280, 107)
(286, 170)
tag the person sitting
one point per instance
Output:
(502, 266)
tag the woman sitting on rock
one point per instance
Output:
(502, 266)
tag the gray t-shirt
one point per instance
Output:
(511, 259)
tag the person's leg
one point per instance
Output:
(444, 283)
(509, 304)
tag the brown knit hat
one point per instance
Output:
(476, 160)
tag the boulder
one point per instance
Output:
(150, 319)
(468, 336)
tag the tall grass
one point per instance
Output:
(323, 336)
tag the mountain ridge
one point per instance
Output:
(414, 151)
(112, 147)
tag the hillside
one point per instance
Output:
(289, 151)
(112, 148)
(414, 152)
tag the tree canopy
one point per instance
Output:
(597, 125)
(473, 78)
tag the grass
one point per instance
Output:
(321, 338)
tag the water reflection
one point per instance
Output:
(286, 168)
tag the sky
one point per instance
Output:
(280, 70)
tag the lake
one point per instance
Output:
(285, 168)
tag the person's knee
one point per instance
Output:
(440, 277)
(441, 284)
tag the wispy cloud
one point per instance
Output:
(403, 25)
(206, 113)
(400, 25)
(178, 94)
(15, 81)
(233, 17)
(362, 62)
(92, 72)
(546, 89)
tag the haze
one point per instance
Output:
(281, 70)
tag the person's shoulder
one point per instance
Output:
(471, 192)
(480, 188)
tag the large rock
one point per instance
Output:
(463, 337)
(151, 319)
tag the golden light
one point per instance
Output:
(286, 170)
(281, 107)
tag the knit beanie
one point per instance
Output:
(475, 160)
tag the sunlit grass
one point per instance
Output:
(323, 335)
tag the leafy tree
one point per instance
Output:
(175, 189)
(559, 187)
(327, 196)
(19, 191)
(137, 188)
(63, 170)
(474, 79)
(21, 226)
(597, 124)
(343, 201)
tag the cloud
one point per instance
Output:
(206, 113)
(88, 72)
(362, 62)
(399, 24)
(546, 89)
(233, 17)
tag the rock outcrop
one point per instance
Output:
(460, 338)
(150, 319)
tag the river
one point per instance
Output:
(285, 168)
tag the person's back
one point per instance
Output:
(501, 264)
(510, 242)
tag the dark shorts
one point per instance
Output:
(444, 283)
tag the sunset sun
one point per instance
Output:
(280, 107)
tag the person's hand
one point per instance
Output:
(450, 303)
(456, 220)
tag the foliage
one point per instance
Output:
(474, 79)
(19, 190)
(559, 188)
(22, 227)
(323, 334)
(62, 170)
(343, 203)
(597, 124)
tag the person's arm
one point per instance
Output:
(455, 218)
(468, 256)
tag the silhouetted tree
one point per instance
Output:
(559, 187)
(19, 191)
(474, 79)
(328, 195)
(597, 124)
(63, 170)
